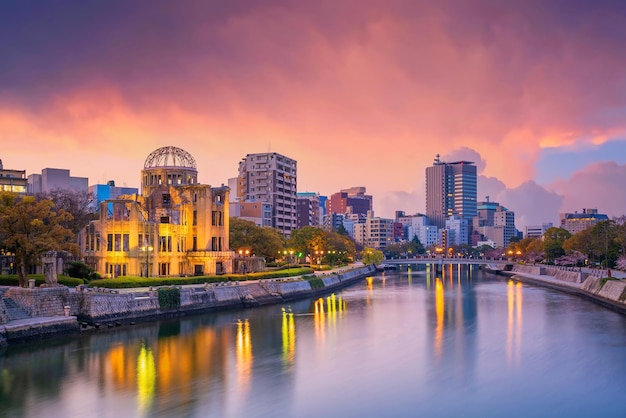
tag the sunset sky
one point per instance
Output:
(359, 92)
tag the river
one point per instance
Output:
(403, 344)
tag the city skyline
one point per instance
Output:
(360, 93)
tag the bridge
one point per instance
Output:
(490, 264)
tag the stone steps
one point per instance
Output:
(13, 310)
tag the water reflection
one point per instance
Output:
(244, 358)
(146, 380)
(440, 305)
(289, 339)
(514, 323)
(432, 345)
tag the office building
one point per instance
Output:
(271, 178)
(351, 200)
(308, 209)
(56, 178)
(451, 190)
(536, 231)
(14, 181)
(101, 192)
(576, 222)
(495, 223)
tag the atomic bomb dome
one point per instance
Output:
(169, 166)
(170, 157)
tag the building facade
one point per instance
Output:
(13, 181)
(576, 222)
(271, 178)
(451, 189)
(102, 192)
(308, 209)
(56, 178)
(536, 231)
(175, 227)
(351, 200)
(495, 223)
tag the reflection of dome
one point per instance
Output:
(170, 157)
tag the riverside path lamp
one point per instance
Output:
(147, 249)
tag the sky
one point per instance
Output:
(359, 92)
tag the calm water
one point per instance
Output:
(404, 344)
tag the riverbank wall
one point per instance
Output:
(610, 293)
(99, 306)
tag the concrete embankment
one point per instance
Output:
(610, 293)
(104, 306)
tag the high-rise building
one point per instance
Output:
(13, 180)
(495, 222)
(308, 209)
(271, 178)
(451, 189)
(352, 201)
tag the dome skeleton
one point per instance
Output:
(170, 156)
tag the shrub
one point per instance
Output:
(131, 281)
(316, 282)
(12, 280)
(169, 297)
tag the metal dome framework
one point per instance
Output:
(170, 157)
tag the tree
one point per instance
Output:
(307, 240)
(603, 242)
(263, 242)
(341, 244)
(372, 256)
(415, 246)
(76, 203)
(553, 240)
(30, 228)
(394, 250)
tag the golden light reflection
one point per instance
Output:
(146, 379)
(116, 359)
(514, 323)
(410, 275)
(439, 312)
(319, 319)
(243, 357)
(289, 338)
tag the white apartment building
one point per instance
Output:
(271, 178)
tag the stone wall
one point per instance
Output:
(565, 274)
(107, 306)
(44, 301)
(608, 289)
(104, 305)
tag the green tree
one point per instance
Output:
(268, 242)
(30, 228)
(416, 246)
(307, 240)
(341, 244)
(372, 256)
(263, 242)
(603, 242)
(397, 249)
(553, 240)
